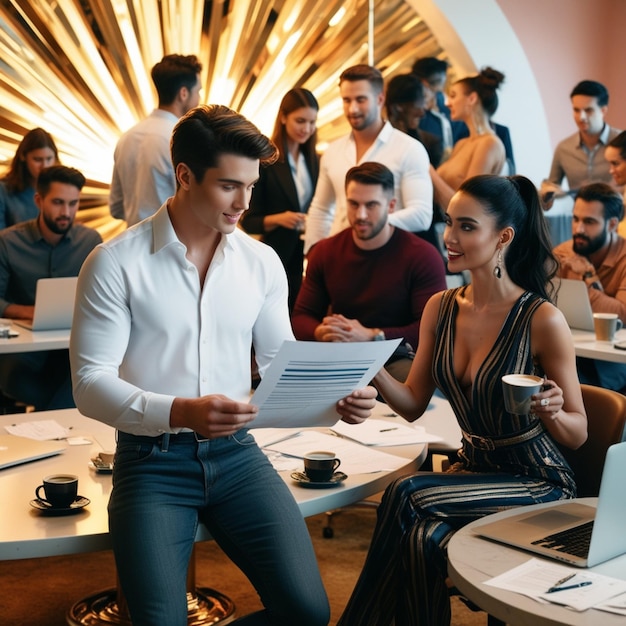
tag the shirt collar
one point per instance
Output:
(166, 115)
(164, 234)
(603, 137)
(383, 136)
(615, 252)
(36, 235)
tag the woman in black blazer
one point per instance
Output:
(282, 195)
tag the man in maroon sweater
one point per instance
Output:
(371, 281)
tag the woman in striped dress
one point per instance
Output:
(501, 323)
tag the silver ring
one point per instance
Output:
(544, 401)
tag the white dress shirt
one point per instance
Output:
(404, 156)
(143, 174)
(146, 331)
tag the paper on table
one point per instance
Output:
(374, 432)
(355, 458)
(42, 430)
(614, 605)
(536, 576)
(306, 379)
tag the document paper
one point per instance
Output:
(306, 379)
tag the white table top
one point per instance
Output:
(439, 419)
(473, 560)
(585, 345)
(29, 341)
(26, 533)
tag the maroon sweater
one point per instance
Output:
(385, 288)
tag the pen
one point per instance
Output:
(558, 583)
(386, 430)
(585, 583)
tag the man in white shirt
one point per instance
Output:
(166, 316)
(143, 176)
(371, 139)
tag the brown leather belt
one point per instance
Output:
(489, 443)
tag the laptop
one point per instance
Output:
(54, 304)
(15, 450)
(548, 531)
(572, 299)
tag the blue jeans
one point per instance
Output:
(161, 490)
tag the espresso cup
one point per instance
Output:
(107, 456)
(606, 325)
(517, 390)
(60, 490)
(319, 466)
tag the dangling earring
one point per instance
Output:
(497, 270)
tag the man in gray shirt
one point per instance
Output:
(47, 247)
(580, 157)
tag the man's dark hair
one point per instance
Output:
(425, 68)
(363, 72)
(371, 173)
(172, 72)
(605, 194)
(592, 88)
(58, 174)
(207, 132)
(404, 89)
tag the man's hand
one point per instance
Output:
(357, 407)
(19, 312)
(341, 329)
(577, 264)
(211, 416)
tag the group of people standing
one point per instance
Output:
(171, 372)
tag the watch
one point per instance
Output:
(379, 336)
(589, 274)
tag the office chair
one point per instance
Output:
(606, 418)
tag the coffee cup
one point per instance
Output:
(107, 456)
(606, 325)
(60, 490)
(320, 465)
(517, 390)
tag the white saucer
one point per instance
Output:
(78, 504)
(303, 480)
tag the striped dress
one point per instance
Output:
(403, 579)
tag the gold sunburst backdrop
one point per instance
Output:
(81, 68)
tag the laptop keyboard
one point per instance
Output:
(573, 541)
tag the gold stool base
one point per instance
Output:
(204, 606)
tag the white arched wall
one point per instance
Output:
(477, 33)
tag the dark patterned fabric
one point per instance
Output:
(404, 577)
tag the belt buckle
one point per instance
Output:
(482, 443)
(200, 439)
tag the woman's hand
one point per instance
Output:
(548, 402)
(357, 407)
(291, 220)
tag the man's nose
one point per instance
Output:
(361, 213)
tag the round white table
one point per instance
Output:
(26, 533)
(473, 560)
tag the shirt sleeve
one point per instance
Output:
(322, 209)
(99, 339)
(3, 207)
(116, 196)
(428, 277)
(556, 169)
(416, 189)
(5, 272)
